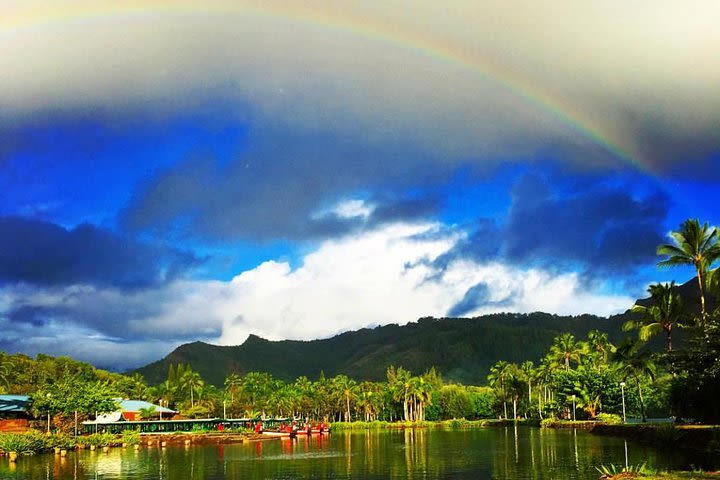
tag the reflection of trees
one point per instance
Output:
(501, 453)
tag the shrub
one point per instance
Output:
(28, 443)
(100, 439)
(609, 418)
(547, 422)
(60, 440)
(131, 437)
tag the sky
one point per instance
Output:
(171, 172)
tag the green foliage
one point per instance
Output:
(72, 394)
(612, 469)
(131, 437)
(548, 422)
(60, 440)
(99, 439)
(147, 412)
(198, 411)
(28, 443)
(609, 418)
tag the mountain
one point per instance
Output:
(462, 349)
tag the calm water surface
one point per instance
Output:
(497, 453)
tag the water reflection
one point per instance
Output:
(498, 453)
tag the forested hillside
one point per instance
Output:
(462, 349)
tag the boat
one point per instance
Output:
(276, 433)
(315, 430)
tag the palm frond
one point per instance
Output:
(672, 250)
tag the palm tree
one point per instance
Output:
(147, 412)
(637, 363)
(599, 347)
(528, 369)
(191, 381)
(346, 388)
(565, 348)
(696, 245)
(399, 383)
(498, 380)
(664, 312)
(515, 383)
(233, 382)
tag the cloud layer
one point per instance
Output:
(378, 277)
(466, 81)
(38, 252)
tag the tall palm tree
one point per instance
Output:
(399, 383)
(345, 387)
(497, 378)
(233, 382)
(565, 348)
(633, 361)
(663, 313)
(696, 245)
(528, 369)
(599, 347)
(192, 381)
(515, 384)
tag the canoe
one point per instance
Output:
(270, 433)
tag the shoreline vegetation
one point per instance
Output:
(580, 382)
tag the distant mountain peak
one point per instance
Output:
(462, 349)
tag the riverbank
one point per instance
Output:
(665, 476)
(698, 438)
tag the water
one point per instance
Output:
(489, 453)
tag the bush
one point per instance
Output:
(28, 443)
(609, 418)
(547, 422)
(100, 439)
(131, 437)
(61, 440)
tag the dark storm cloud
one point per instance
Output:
(391, 210)
(476, 297)
(596, 228)
(114, 314)
(279, 188)
(604, 228)
(39, 252)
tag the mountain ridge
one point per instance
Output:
(462, 349)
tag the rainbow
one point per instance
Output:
(78, 13)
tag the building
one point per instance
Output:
(130, 410)
(14, 414)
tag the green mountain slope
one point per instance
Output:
(462, 349)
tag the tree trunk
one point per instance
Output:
(642, 401)
(514, 408)
(505, 409)
(540, 407)
(669, 337)
(347, 401)
(702, 293)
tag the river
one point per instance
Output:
(492, 453)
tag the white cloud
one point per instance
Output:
(377, 277)
(380, 277)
